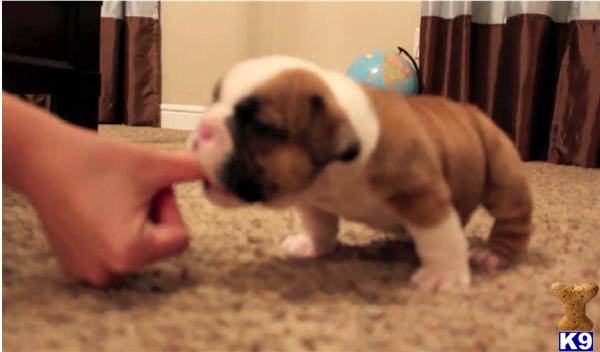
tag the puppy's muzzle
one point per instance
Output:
(240, 178)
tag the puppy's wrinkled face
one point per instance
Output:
(268, 135)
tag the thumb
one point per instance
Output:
(160, 241)
(169, 168)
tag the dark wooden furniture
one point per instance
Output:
(53, 47)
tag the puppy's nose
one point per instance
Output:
(202, 134)
(205, 133)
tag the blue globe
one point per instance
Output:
(387, 70)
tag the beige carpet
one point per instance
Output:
(234, 291)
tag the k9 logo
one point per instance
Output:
(575, 341)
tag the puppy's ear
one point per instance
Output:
(317, 103)
(348, 146)
(334, 137)
(216, 93)
(309, 110)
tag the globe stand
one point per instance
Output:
(401, 51)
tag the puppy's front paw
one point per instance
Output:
(305, 247)
(431, 279)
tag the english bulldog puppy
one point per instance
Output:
(285, 132)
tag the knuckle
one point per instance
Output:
(120, 266)
(98, 278)
(119, 259)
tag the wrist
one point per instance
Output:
(37, 147)
(46, 167)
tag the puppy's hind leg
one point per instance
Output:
(319, 236)
(508, 199)
(509, 202)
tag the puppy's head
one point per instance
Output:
(272, 129)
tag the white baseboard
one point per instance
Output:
(180, 117)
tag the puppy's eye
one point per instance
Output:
(247, 107)
(260, 128)
(263, 130)
(248, 121)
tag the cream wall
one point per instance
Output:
(201, 40)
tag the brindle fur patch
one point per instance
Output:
(434, 153)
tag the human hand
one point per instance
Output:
(107, 206)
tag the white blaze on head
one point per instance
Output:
(244, 77)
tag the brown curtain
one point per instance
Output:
(533, 66)
(130, 63)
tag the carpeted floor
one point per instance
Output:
(234, 291)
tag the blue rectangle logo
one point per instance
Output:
(575, 341)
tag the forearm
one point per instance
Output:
(34, 143)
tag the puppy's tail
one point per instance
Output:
(507, 195)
